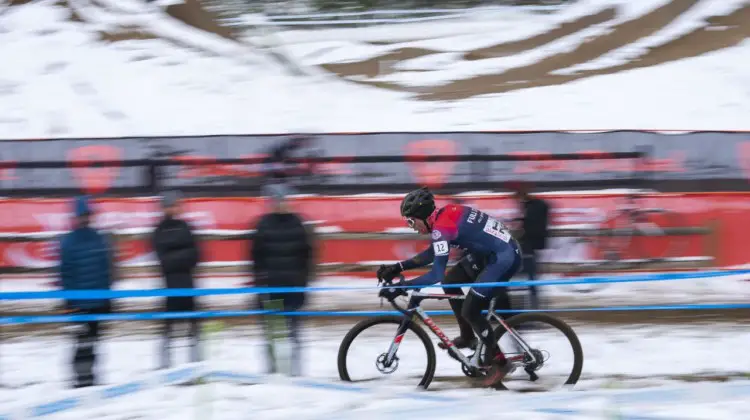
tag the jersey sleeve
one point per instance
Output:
(420, 260)
(440, 249)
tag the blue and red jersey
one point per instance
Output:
(458, 226)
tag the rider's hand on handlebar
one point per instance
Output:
(391, 293)
(386, 273)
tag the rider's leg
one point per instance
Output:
(472, 312)
(458, 275)
(501, 268)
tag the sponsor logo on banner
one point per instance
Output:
(45, 254)
(431, 174)
(57, 222)
(30, 254)
(23, 216)
(93, 179)
(681, 158)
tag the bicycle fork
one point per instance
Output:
(390, 356)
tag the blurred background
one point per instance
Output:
(218, 144)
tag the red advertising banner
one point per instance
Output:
(727, 213)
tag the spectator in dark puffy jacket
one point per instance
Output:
(533, 234)
(282, 255)
(178, 255)
(85, 264)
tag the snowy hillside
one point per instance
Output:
(116, 68)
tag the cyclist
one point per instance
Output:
(483, 238)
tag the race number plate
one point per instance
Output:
(497, 229)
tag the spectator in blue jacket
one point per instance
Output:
(85, 264)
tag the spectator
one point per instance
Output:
(178, 256)
(282, 255)
(85, 264)
(532, 235)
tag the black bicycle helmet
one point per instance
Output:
(418, 204)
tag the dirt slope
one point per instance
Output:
(192, 13)
(719, 32)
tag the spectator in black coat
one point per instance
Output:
(178, 256)
(85, 264)
(533, 234)
(282, 255)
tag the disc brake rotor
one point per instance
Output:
(380, 364)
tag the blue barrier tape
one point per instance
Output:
(80, 399)
(150, 316)
(328, 386)
(114, 294)
(181, 375)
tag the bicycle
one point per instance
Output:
(631, 236)
(529, 359)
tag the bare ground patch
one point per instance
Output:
(373, 66)
(125, 34)
(193, 14)
(719, 32)
(538, 74)
(565, 29)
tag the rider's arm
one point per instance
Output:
(440, 250)
(420, 260)
(435, 275)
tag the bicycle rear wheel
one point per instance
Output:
(536, 329)
(361, 358)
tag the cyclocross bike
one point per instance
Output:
(526, 358)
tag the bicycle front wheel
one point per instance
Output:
(364, 352)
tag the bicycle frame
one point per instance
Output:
(414, 309)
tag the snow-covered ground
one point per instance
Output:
(36, 365)
(60, 80)
(63, 81)
(35, 369)
(261, 402)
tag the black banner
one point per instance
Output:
(702, 159)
